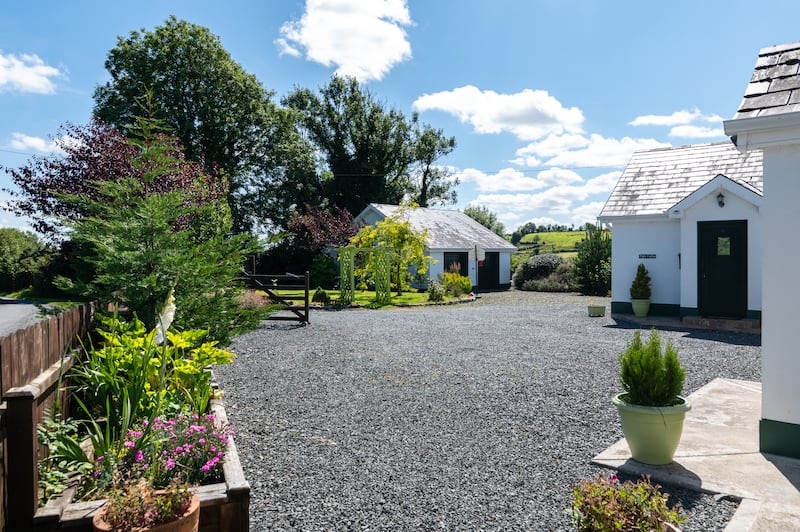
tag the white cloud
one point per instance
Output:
(696, 132)
(363, 39)
(27, 73)
(530, 114)
(564, 201)
(22, 142)
(604, 152)
(559, 176)
(553, 145)
(506, 179)
(676, 118)
(530, 161)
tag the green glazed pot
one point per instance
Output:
(652, 432)
(640, 307)
(597, 311)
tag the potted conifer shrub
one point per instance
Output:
(640, 292)
(651, 407)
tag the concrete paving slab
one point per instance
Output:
(719, 453)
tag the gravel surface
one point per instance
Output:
(478, 416)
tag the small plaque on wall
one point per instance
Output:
(647, 255)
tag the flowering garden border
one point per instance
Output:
(223, 506)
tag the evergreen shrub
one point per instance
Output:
(649, 377)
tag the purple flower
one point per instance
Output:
(139, 456)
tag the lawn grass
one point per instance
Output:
(554, 241)
(363, 298)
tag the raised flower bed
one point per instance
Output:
(223, 505)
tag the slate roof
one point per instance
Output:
(450, 229)
(774, 87)
(655, 180)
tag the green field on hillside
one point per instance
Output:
(553, 241)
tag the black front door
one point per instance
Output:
(722, 268)
(489, 272)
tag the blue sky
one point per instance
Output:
(547, 99)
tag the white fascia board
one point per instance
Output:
(764, 131)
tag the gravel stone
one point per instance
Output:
(478, 416)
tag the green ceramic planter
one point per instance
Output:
(596, 311)
(640, 307)
(653, 433)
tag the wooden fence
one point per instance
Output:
(31, 362)
(271, 283)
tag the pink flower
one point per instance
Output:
(170, 463)
(129, 444)
(101, 458)
(139, 456)
(205, 467)
(201, 441)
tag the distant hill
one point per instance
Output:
(552, 241)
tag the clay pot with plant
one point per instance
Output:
(651, 407)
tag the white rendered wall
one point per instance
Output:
(661, 238)
(707, 210)
(780, 362)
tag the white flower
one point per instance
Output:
(165, 319)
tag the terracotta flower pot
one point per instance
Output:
(187, 523)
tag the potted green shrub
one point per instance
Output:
(640, 292)
(651, 407)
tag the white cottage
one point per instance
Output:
(692, 216)
(454, 237)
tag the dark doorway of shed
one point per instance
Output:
(489, 272)
(456, 262)
(722, 269)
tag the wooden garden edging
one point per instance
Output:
(289, 281)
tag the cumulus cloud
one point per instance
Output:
(22, 142)
(506, 179)
(362, 39)
(676, 118)
(559, 176)
(553, 145)
(604, 152)
(530, 114)
(696, 132)
(565, 201)
(27, 73)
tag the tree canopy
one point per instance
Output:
(486, 218)
(221, 115)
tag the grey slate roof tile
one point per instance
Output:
(775, 84)
(655, 180)
(450, 229)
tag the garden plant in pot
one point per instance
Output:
(640, 292)
(651, 407)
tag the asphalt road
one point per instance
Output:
(17, 314)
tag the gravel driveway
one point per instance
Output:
(478, 416)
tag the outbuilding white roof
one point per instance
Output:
(655, 180)
(447, 229)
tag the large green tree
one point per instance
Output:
(22, 255)
(485, 217)
(222, 115)
(432, 184)
(367, 148)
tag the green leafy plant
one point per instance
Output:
(324, 271)
(640, 288)
(455, 284)
(605, 504)
(536, 267)
(592, 266)
(435, 291)
(649, 377)
(64, 455)
(321, 296)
